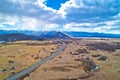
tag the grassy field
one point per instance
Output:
(66, 66)
(19, 55)
(16, 56)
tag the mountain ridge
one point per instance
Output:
(39, 35)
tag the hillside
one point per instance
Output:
(17, 36)
(36, 35)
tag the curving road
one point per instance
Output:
(30, 69)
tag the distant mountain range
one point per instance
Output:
(11, 35)
(14, 35)
(88, 34)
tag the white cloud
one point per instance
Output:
(79, 25)
(27, 15)
(11, 20)
(1, 26)
(40, 3)
(106, 27)
(111, 23)
(82, 9)
(24, 23)
(79, 15)
(29, 23)
(71, 3)
(117, 16)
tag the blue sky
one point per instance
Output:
(61, 15)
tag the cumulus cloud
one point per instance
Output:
(80, 15)
(87, 9)
(26, 14)
(92, 15)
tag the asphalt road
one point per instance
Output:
(30, 69)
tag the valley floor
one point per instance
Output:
(65, 66)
